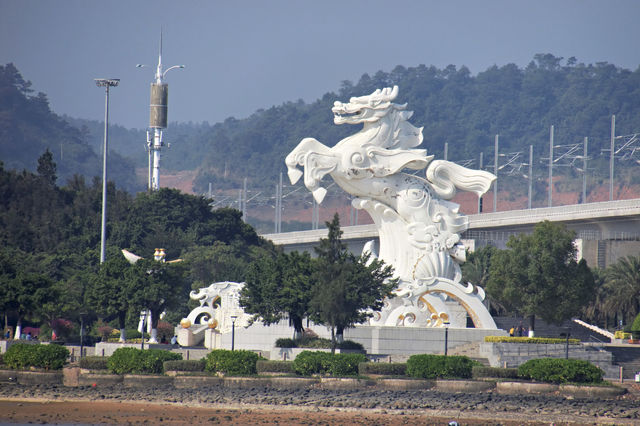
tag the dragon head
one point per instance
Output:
(365, 109)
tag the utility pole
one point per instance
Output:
(446, 151)
(495, 172)
(584, 171)
(480, 196)
(550, 201)
(244, 201)
(612, 155)
(530, 175)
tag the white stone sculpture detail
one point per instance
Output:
(419, 230)
(219, 301)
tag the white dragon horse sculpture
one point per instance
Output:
(419, 231)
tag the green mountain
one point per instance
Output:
(28, 127)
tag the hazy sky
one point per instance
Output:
(245, 55)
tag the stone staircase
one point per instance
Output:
(627, 357)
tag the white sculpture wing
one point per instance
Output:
(445, 177)
(131, 258)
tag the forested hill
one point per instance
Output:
(454, 106)
(28, 127)
(519, 104)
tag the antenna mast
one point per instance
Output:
(157, 120)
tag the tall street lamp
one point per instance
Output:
(106, 83)
(233, 331)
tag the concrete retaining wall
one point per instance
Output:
(512, 355)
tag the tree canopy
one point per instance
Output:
(348, 288)
(539, 274)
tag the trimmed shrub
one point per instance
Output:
(132, 360)
(49, 357)
(1, 359)
(345, 364)
(558, 370)
(189, 365)
(494, 372)
(530, 340)
(264, 366)
(312, 362)
(382, 368)
(325, 363)
(286, 342)
(313, 342)
(439, 366)
(240, 363)
(94, 362)
(350, 345)
(635, 327)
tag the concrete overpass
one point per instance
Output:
(605, 230)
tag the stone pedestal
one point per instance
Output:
(212, 339)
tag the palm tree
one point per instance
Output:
(596, 311)
(623, 285)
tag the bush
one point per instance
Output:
(22, 355)
(345, 364)
(189, 365)
(94, 362)
(313, 342)
(530, 340)
(557, 370)
(132, 360)
(382, 368)
(350, 345)
(264, 366)
(231, 362)
(312, 362)
(286, 342)
(440, 366)
(494, 372)
(635, 327)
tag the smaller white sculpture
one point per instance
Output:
(219, 302)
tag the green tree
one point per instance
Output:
(109, 293)
(539, 275)
(157, 286)
(348, 288)
(279, 286)
(622, 282)
(47, 168)
(476, 270)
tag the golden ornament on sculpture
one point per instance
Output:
(185, 323)
(213, 323)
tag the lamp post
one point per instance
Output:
(82, 315)
(106, 83)
(446, 334)
(566, 347)
(233, 331)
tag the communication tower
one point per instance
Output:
(157, 120)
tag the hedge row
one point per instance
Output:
(237, 363)
(49, 357)
(132, 360)
(185, 365)
(264, 366)
(326, 363)
(439, 366)
(557, 370)
(530, 340)
(382, 368)
(316, 343)
(479, 372)
(94, 362)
